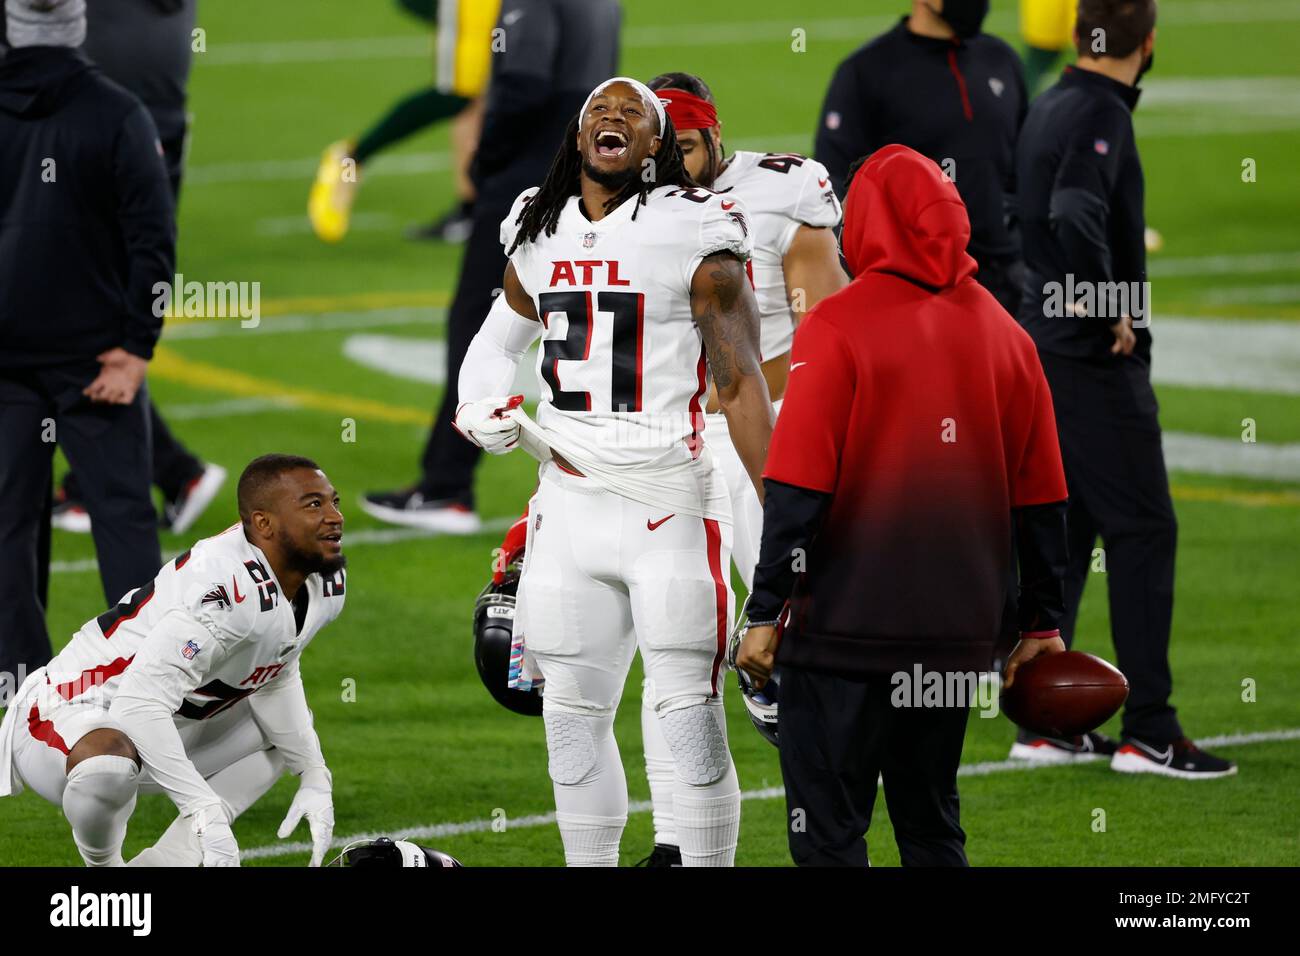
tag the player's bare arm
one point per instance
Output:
(812, 269)
(726, 314)
(516, 297)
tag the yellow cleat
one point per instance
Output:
(330, 204)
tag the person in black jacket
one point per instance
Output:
(1086, 306)
(86, 231)
(553, 52)
(937, 84)
(145, 45)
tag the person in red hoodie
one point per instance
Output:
(917, 435)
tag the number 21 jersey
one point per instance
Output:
(621, 361)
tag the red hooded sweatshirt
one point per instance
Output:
(919, 404)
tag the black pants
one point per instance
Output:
(173, 467)
(1106, 416)
(837, 736)
(449, 459)
(109, 447)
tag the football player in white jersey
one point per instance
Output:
(190, 685)
(637, 278)
(792, 211)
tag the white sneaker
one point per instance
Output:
(179, 515)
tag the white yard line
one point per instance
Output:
(1231, 457)
(308, 322)
(1247, 356)
(729, 33)
(1250, 263)
(437, 830)
(365, 536)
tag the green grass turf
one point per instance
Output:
(422, 743)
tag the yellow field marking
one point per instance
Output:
(357, 301)
(172, 366)
(1249, 499)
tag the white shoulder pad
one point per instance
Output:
(510, 224)
(815, 202)
(724, 226)
(220, 592)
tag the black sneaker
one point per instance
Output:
(1036, 748)
(454, 227)
(410, 508)
(663, 855)
(1180, 758)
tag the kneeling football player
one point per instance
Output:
(190, 685)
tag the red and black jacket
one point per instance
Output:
(917, 428)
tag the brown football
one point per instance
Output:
(1061, 695)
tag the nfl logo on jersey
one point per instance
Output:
(189, 650)
(588, 240)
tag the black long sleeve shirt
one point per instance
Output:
(553, 52)
(959, 102)
(1080, 197)
(87, 225)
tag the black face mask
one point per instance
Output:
(1146, 66)
(965, 16)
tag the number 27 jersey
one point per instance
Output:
(621, 362)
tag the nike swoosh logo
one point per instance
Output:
(239, 598)
(651, 525)
(822, 182)
(1160, 756)
(727, 205)
(796, 365)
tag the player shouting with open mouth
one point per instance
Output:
(634, 278)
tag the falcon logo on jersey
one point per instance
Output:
(218, 596)
(740, 221)
(189, 650)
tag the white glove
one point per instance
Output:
(216, 839)
(315, 801)
(488, 423)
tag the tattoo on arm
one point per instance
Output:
(727, 318)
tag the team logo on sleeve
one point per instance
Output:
(218, 596)
(740, 220)
(189, 650)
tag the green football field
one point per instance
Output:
(349, 334)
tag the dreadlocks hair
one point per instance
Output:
(542, 212)
(694, 85)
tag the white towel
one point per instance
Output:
(9, 783)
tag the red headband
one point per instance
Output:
(686, 110)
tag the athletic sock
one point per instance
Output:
(590, 787)
(708, 821)
(1038, 63)
(408, 115)
(98, 800)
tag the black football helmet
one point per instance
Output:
(761, 705)
(494, 625)
(392, 853)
